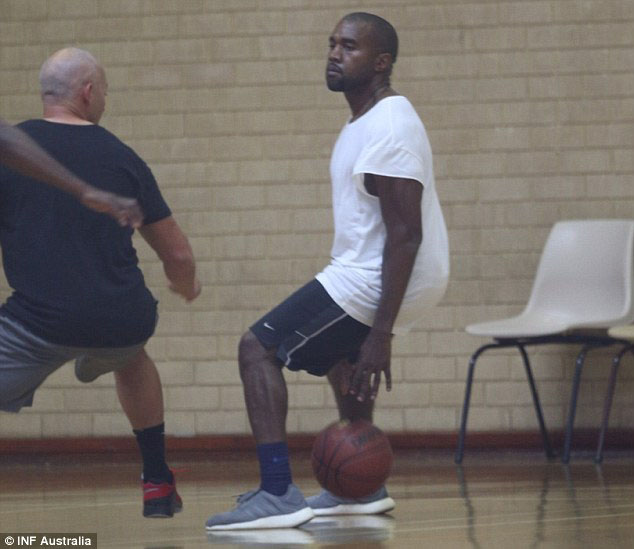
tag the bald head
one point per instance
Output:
(64, 73)
(73, 84)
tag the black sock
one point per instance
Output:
(152, 445)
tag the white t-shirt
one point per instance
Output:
(388, 140)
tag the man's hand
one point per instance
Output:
(125, 211)
(364, 377)
(189, 292)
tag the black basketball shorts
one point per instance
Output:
(310, 331)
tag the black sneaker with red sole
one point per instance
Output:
(160, 499)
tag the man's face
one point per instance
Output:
(351, 56)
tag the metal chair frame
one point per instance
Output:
(588, 342)
(609, 396)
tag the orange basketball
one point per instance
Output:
(352, 459)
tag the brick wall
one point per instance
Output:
(530, 111)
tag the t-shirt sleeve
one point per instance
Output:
(150, 198)
(389, 161)
(394, 142)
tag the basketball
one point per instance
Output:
(351, 459)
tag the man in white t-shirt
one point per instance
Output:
(389, 265)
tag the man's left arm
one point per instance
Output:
(400, 201)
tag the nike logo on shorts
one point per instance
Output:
(268, 326)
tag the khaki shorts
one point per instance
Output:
(27, 360)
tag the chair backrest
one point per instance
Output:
(585, 273)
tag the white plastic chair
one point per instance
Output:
(583, 286)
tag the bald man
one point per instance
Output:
(19, 152)
(78, 293)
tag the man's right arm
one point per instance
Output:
(172, 247)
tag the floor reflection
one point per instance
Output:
(270, 538)
(348, 529)
(365, 530)
(548, 504)
(469, 508)
(499, 500)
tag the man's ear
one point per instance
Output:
(86, 92)
(383, 62)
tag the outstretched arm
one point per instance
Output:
(21, 153)
(172, 247)
(400, 201)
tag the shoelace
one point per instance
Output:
(242, 498)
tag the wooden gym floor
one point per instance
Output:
(495, 500)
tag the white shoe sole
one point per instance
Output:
(372, 508)
(290, 520)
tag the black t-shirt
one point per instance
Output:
(73, 271)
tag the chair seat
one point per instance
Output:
(539, 324)
(622, 332)
(523, 325)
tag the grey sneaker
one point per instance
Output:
(326, 503)
(260, 509)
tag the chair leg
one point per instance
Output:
(607, 404)
(538, 408)
(467, 400)
(565, 458)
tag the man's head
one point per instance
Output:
(362, 47)
(73, 79)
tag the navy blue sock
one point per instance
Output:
(275, 469)
(152, 445)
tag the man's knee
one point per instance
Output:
(338, 371)
(133, 364)
(253, 354)
(249, 349)
(139, 358)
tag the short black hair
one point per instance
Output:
(385, 33)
